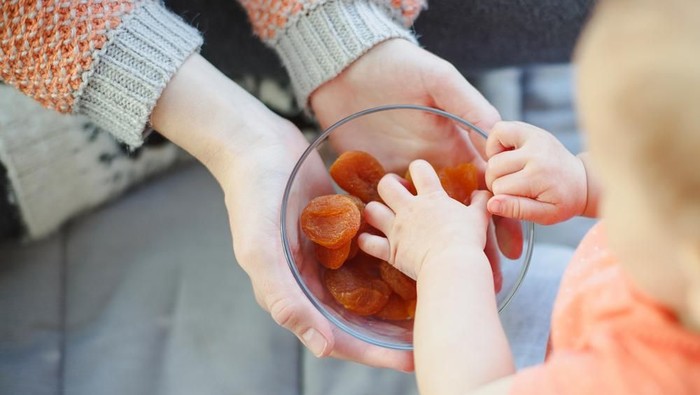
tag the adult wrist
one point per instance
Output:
(215, 120)
(318, 46)
(131, 71)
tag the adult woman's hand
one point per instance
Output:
(399, 72)
(251, 152)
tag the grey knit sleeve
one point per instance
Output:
(318, 45)
(130, 72)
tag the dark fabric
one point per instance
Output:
(10, 223)
(471, 34)
(478, 34)
(229, 43)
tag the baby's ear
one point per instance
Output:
(690, 265)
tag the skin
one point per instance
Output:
(229, 131)
(251, 152)
(440, 242)
(399, 72)
(530, 174)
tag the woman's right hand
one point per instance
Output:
(251, 152)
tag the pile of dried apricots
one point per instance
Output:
(361, 283)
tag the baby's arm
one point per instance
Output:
(534, 177)
(459, 341)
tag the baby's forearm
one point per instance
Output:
(592, 188)
(459, 341)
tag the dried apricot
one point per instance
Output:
(459, 181)
(330, 220)
(333, 258)
(397, 309)
(358, 173)
(355, 290)
(365, 263)
(364, 226)
(397, 281)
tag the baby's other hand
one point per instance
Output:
(532, 175)
(422, 226)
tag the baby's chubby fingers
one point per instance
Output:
(506, 136)
(379, 216)
(506, 151)
(523, 208)
(376, 246)
(424, 177)
(504, 164)
(392, 190)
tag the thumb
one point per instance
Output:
(293, 311)
(480, 199)
(454, 94)
(522, 208)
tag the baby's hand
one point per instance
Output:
(423, 226)
(532, 175)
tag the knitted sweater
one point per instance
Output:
(111, 59)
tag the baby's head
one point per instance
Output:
(639, 98)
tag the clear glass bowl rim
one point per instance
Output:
(283, 221)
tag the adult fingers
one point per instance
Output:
(453, 93)
(509, 234)
(352, 349)
(491, 251)
(289, 307)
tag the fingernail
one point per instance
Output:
(314, 341)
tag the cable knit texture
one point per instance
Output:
(316, 39)
(109, 59)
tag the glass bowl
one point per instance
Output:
(310, 178)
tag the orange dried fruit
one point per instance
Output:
(459, 181)
(364, 226)
(356, 290)
(332, 258)
(358, 173)
(400, 283)
(330, 220)
(397, 309)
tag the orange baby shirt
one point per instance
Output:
(609, 338)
